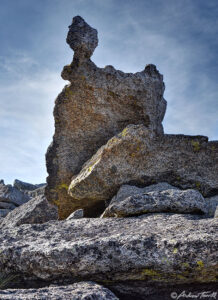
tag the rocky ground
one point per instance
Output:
(128, 212)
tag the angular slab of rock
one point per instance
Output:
(130, 190)
(97, 104)
(164, 248)
(174, 201)
(137, 157)
(10, 194)
(76, 291)
(36, 210)
(24, 186)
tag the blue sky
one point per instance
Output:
(179, 36)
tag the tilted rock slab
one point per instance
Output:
(37, 210)
(76, 291)
(97, 104)
(156, 248)
(137, 157)
(171, 200)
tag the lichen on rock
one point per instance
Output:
(167, 158)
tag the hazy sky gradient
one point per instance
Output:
(179, 36)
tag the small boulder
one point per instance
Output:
(35, 211)
(130, 190)
(171, 200)
(77, 214)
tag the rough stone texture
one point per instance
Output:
(211, 205)
(171, 200)
(157, 248)
(37, 210)
(37, 192)
(21, 192)
(24, 186)
(77, 214)
(10, 194)
(77, 291)
(82, 39)
(137, 157)
(131, 190)
(97, 104)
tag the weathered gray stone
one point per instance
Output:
(24, 186)
(77, 214)
(36, 210)
(82, 38)
(12, 195)
(138, 157)
(77, 291)
(171, 200)
(4, 212)
(37, 192)
(164, 248)
(211, 205)
(98, 103)
(131, 190)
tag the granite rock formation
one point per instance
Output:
(21, 192)
(138, 157)
(96, 105)
(77, 291)
(153, 249)
(25, 186)
(171, 201)
(36, 211)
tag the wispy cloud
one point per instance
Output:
(26, 119)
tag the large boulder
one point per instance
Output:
(138, 157)
(97, 104)
(35, 211)
(76, 291)
(171, 200)
(164, 249)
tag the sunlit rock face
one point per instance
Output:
(96, 105)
